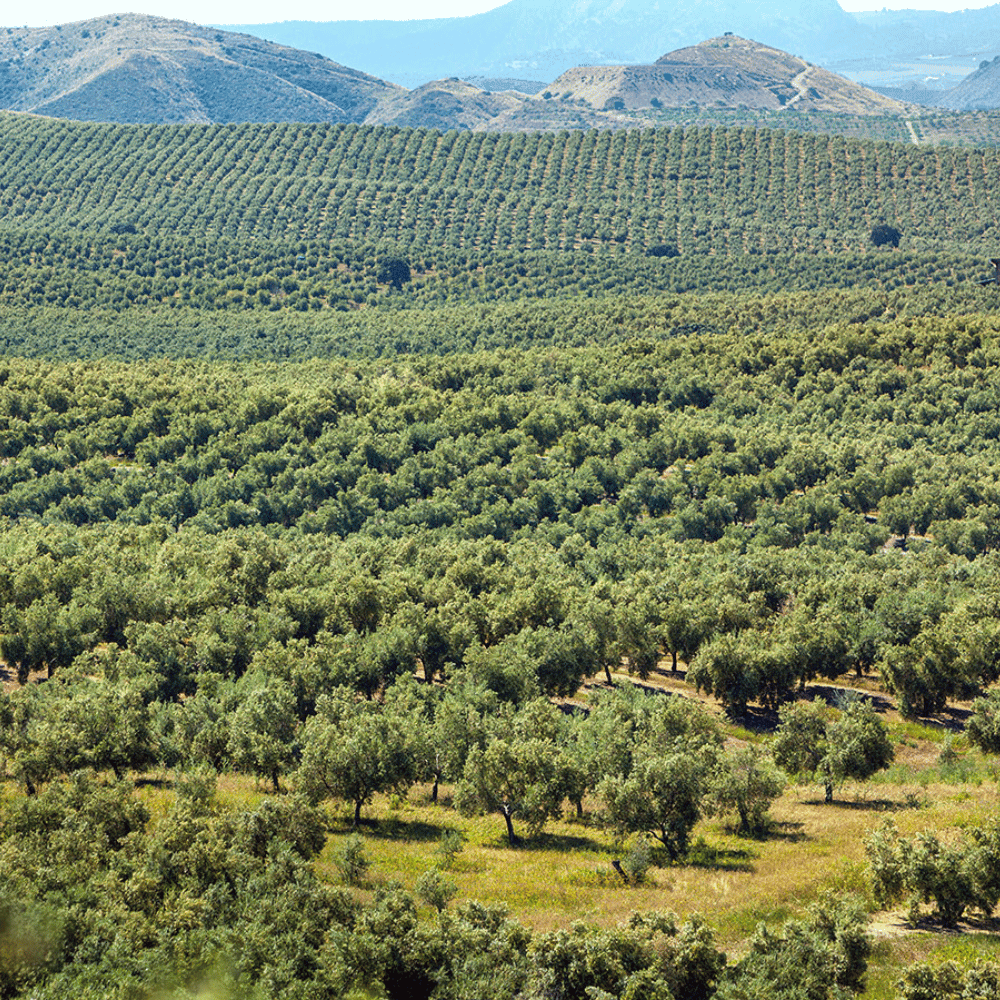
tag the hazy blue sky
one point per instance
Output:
(42, 12)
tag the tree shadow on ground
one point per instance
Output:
(756, 719)
(867, 805)
(395, 828)
(151, 781)
(969, 924)
(789, 832)
(549, 842)
(951, 719)
(834, 695)
(726, 859)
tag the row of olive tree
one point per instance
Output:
(656, 763)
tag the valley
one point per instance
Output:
(460, 543)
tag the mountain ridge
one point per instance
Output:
(504, 41)
(138, 67)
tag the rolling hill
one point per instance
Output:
(445, 104)
(719, 192)
(133, 68)
(728, 72)
(148, 69)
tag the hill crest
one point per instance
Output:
(726, 72)
(141, 68)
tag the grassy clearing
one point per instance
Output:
(566, 874)
(736, 882)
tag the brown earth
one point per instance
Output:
(727, 72)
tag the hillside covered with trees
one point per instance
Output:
(413, 543)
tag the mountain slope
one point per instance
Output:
(728, 72)
(979, 90)
(903, 33)
(149, 69)
(444, 104)
(543, 38)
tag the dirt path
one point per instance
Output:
(801, 85)
(913, 133)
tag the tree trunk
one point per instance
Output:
(829, 792)
(434, 790)
(673, 660)
(607, 673)
(512, 838)
(668, 843)
(579, 808)
(357, 813)
(274, 778)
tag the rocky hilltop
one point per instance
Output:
(726, 72)
(136, 68)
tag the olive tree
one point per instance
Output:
(663, 795)
(354, 748)
(520, 771)
(814, 741)
(885, 235)
(984, 724)
(954, 876)
(746, 782)
(262, 732)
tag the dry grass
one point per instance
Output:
(565, 874)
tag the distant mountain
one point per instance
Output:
(134, 68)
(980, 90)
(508, 83)
(903, 33)
(540, 39)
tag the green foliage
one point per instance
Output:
(410, 186)
(883, 235)
(832, 747)
(983, 728)
(435, 889)
(746, 782)
(637, 861)
(949, 981)
(650, 956)
(394, 271)
(821, 957)
(262, 732)
(351, 859)
(352, 749)
(954, 876)
(452, 844)
(663, 794)
(519, 775)
(771, 455)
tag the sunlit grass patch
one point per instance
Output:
(894, 953)
(908, 729)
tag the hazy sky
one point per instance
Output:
(43, 12)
